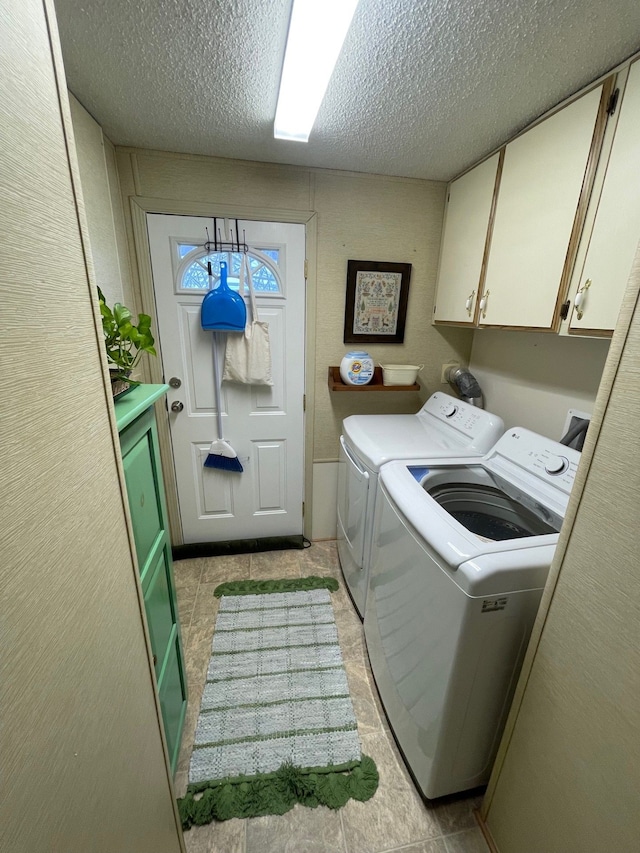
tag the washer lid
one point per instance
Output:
(441, 532)
(522, 465)
(444, 427)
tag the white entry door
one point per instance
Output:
(264, 425)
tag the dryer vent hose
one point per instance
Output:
(466, 385)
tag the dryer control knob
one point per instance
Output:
(556, 465)
(450, 410)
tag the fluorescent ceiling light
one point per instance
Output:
(316, 32)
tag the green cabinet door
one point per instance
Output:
(145, 491)
(172, 687)
(160, 609)
(144, 500)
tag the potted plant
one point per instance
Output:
(124, 342)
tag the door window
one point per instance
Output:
(192, 274)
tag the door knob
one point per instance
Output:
(177, 406)
(175, 382)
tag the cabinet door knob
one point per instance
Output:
(483, 304)
(177, 406)
(469, 302)
(580, 295)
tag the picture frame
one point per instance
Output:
(376, 302)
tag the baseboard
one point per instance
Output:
(491, 844)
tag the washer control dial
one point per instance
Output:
(450, 410)
(556, 465)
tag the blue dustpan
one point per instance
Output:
(222, 309)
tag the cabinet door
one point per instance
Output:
(540, 188)
(463, 244)
(160, 607)
(616, 229)
(172, 689)
(143, 492)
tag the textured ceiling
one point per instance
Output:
(423, 88)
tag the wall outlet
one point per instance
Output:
(445, 367)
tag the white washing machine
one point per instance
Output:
(461, 551)
(444, 426)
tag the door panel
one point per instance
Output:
(270, 489)
(196, 349)
(264, 425)
(215, 490)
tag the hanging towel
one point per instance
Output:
(248, 356)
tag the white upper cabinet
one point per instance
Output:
(609, 248)
(464, 238)
(536, 215)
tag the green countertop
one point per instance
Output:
(136, 402)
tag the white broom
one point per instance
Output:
(221, 454)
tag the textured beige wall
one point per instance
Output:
(366, 217)
(117, 211)
(532, 379)
(102, 204)
(83, 764)
(567, 777)
(375, 218)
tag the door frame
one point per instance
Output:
(145, 298)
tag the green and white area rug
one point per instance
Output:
(276, 724)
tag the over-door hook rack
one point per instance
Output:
(219, 245)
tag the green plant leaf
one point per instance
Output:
(105, 311)
(125, 328)
(121, 313)
(124, 341)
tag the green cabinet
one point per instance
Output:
(143, 475)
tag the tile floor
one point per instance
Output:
(395, 819)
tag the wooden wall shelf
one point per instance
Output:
(336, 383)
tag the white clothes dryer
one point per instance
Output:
(444, 426)
(461, 552)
